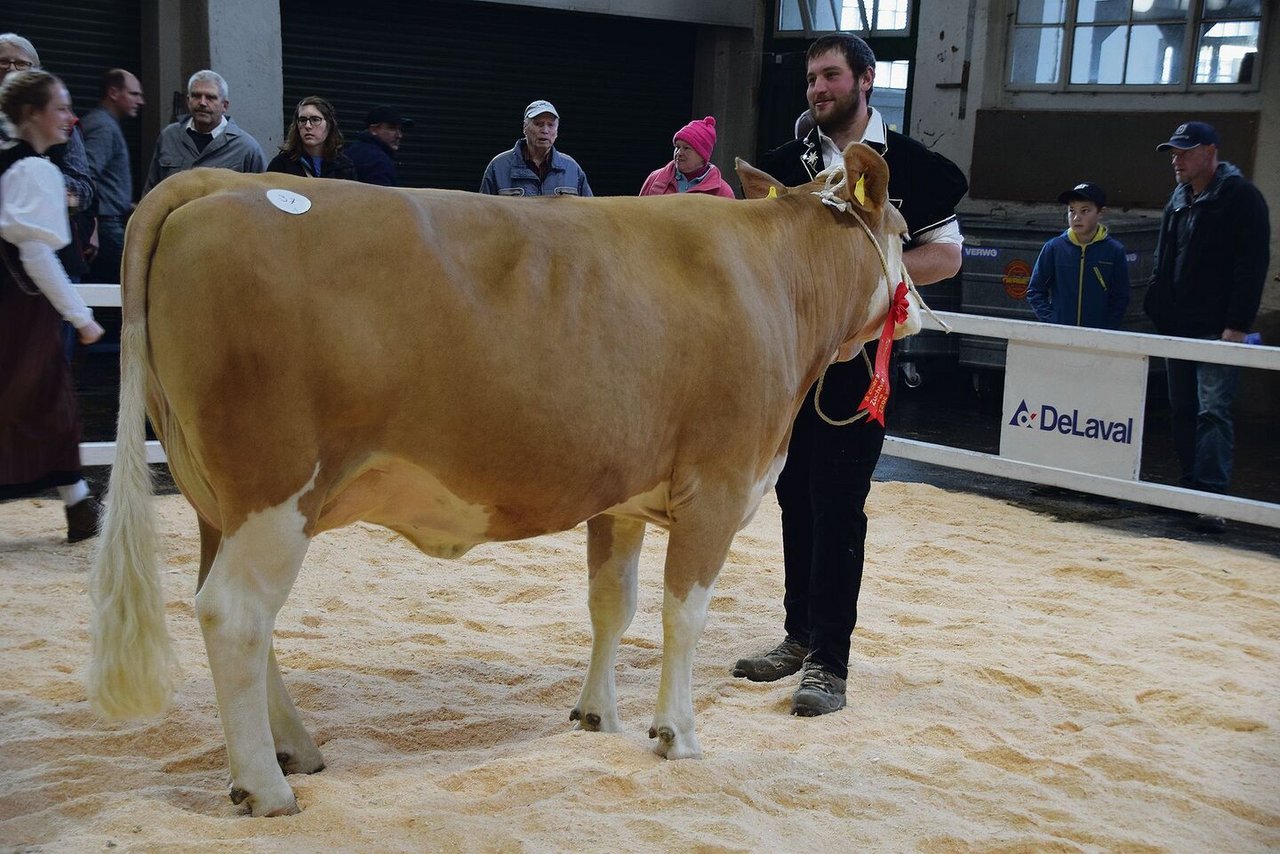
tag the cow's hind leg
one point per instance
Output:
(296, 750)
(247, 584)
(697, 549)
(613, 558)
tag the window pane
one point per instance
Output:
(1160, 10)
(1042, 11)
(1227, 52)
(1095, 11)
(1233, 9)
(851, 19)
(1037, 55)
(789, 15)
(1155, 54)
(892, 14)
(824, 15)
(1098, 55)
(891, 91)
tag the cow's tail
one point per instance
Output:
(132, 670)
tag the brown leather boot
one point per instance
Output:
(82, 519)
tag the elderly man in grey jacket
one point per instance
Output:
(208, 138)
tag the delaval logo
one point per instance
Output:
(1072, 424)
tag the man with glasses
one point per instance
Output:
(208, 138)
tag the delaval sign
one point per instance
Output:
(1072, 423)
(1074, 409)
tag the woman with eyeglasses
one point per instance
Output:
(313, 148)
(39, 419)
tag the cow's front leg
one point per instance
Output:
(237, 604)
(296, 751)
(694, 556)
(613, 558)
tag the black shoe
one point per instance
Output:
(82, 519)
(820, 692)
(1210, 524)
(783, 660)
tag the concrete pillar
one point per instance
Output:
(239, 39)
(244, 47)
(726, 85)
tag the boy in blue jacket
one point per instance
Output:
(1081, 277)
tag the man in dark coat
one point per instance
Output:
(824, 485)
(373, 151)
(1211, 263)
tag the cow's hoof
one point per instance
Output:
(594, 722)
(303, 762)
(264, 807)
(672, 746)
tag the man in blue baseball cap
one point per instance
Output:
(1210, 266)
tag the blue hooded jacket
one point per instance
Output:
(1081, 284)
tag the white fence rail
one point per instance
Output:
(1097, 340)
(1100, 341)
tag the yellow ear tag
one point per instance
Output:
(773, 193)
(860, 190)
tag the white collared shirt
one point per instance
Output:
(876, 134)
(216, 132)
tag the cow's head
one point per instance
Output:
(860, 162)
(865, 189)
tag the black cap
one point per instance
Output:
(1189, 135)
(385, 114)
(1085, 191)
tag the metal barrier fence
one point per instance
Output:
(1097, 340)
(1107, 342)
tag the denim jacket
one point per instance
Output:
(508, 175)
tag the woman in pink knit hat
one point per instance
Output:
(690, 170)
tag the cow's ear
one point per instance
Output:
(756, 184)
(866, 168)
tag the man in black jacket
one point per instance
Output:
(824, 485)
(374, 149)
(1211, 263)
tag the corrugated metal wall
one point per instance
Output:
(78, 40)
(465, 71)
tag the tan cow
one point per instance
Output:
(460, 368)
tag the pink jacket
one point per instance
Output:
(663, 181)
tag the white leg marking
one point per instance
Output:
(682, 623)
(296, 750)
(247, 584)
(613, 552)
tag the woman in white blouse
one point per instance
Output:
(39, 420)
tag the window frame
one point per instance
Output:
(1194, 22)
(809, 31)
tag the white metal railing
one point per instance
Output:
(1103, 341)
(1100, 340)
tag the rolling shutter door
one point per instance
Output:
(78, 40)
(465, 71)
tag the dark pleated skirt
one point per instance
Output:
(39, 419)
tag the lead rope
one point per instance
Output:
(836, 179)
